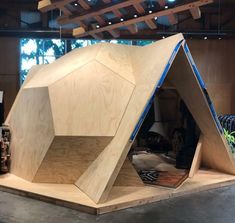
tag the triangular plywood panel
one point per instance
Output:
(96, 100)
(196, 99)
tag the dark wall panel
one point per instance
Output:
(216, 62)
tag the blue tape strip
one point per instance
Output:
(203, 86)
(157, 87)
(141, 120)
(196, 71)
(167, 68)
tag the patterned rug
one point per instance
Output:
(163, 178)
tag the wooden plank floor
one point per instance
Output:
(121, 197)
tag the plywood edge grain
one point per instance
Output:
(197, 158)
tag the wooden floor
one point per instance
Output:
(122, 197)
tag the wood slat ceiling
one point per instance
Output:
(94, 18)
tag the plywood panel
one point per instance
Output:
(95, 99)
(128, 176)
(222, 97)
(112, 56)
(32, 131)
(216, 152)
(30, 75)
(197, 158)
(68, 157)
(69, 195)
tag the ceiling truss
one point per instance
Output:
(140, 14)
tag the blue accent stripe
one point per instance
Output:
(196, 71)
(203, 86)
(157, 87)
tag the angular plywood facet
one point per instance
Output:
(93, 104)
(74, 121)
(189, 89)
(32, 131)
(118, 59)
(68, 157)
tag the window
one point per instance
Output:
(39, 51)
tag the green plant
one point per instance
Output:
(230, 138)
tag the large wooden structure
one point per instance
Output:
(74, 121)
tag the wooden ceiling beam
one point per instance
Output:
(65, 11)
(196, 13)
(99, 19)
(47, 5)
(117, 13)
(84, 4)
(75, 18)
(171, 18)
(151, 24)
(140, 9)
(165, 12)
(132, 28)
(98, 36)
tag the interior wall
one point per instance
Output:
(9, 70)
(215, 61)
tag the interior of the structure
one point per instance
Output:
(163, 150)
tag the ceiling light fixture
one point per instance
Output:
(135, 16)
(110, 23)
(155, 18)
(150, 11)
(97, 26)
(205, 38)
(121, 19)
(166, 7)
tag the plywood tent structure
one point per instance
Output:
(74, 121)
